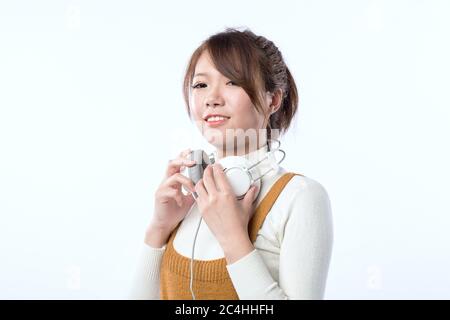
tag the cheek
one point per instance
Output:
(248, 116)
(196, 109)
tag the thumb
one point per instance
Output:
(188, 200)
(249, 197)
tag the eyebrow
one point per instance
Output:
(200, 74)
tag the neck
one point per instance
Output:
(236, 150)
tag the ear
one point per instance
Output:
(274, 100)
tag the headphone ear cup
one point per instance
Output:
(201, 158)
(239, 180)
(235, 169)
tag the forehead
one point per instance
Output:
(205, 66)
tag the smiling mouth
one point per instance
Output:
(215, 122)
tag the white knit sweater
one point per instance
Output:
(292, 249)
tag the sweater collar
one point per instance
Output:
(257, 155)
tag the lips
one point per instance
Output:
(214, 115)
(214, 120)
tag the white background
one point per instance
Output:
(91, 110)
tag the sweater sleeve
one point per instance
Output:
(305, 252)
(145, 283)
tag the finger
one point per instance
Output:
(194, 195)
(183, 200)
(200, 190)
(189, 199)
(175, 164)
(220, 178)
(185, 153)
(249, 197)
(171, 194)
(177, 179)
(208, 180)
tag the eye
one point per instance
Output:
(197, 85)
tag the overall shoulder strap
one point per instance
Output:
(266, 204)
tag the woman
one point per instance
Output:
(275, 242)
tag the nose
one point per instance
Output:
(212, 103)
(214, 98)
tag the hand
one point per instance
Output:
(171, 205)
(226, 216)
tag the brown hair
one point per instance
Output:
(253, 63)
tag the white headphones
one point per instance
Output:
(241, 176)
(241, 173)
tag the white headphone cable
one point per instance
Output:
(192, 260)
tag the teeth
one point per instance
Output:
(215, 118)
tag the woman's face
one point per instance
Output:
(212, 93)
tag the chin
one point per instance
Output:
(216, 140)
(216, 136)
